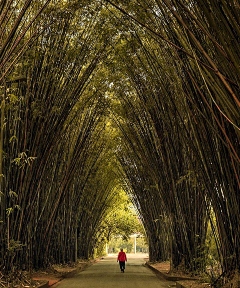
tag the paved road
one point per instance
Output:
(106, 274)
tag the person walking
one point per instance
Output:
(122, 258)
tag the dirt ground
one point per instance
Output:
(19, 279)
(57, 272)
(164, 267)
(53, 274)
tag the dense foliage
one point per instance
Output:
(110, 95)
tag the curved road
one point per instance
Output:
(106, 274)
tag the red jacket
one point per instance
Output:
(122, 256)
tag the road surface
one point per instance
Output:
(106, 274)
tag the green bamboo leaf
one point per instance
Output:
(17, 207)
(9, 211)
(13, 194)
(13, 138)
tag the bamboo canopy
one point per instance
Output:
(141, 95)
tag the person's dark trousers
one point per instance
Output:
(122, 265)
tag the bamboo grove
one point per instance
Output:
(142, 95)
